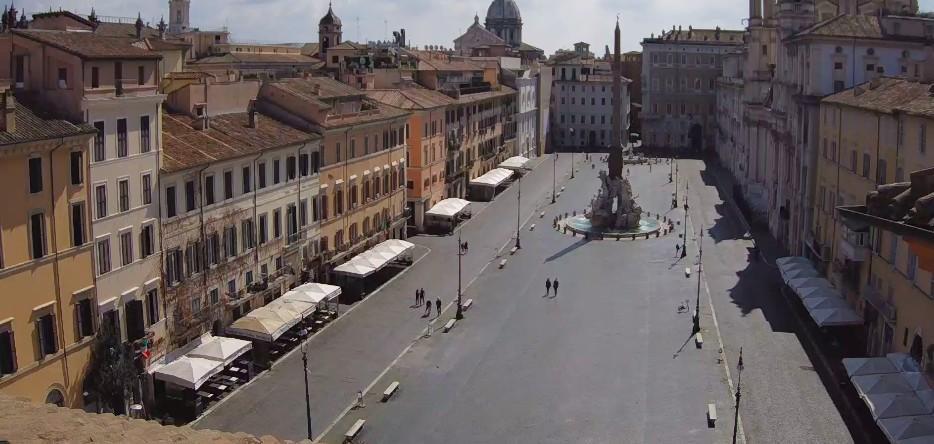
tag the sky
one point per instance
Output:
(547, 24)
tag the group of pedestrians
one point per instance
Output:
(549, 284)
(420, 299)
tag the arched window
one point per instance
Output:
(366, 226)
(55, 397)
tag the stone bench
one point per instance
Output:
(502, 263)
(532, 227)
(698, 340)
(687, 272)
(467, 304)
(513, 250)
(711, 415)
(354, 430)
(449, 325)
(391, 390)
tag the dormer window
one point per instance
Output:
(62, 78)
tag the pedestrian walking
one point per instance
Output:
(438, 305)
(418, 296)
(556, 286)
(427, 308)
(547, 286)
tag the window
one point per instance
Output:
(152, 307)
(880, 171)
(126, 248)
(170, 201)
(912, 266)
(290, 168)
(303, 163)
(214, 248)
(275, 171)
(103, 256)
(123, 189)
(147, 188)
(838, 65)
(140, 75)
(214, 296)
(261, 174)
(144, 131)
(232, 287)
(867, 164)
(853, 161)
(230, 241)
(228, 185)
(209, 190)
(263, 229)
(100, 195)
(7, 353)
(122, 146)
(922, 138)
(195, 305)
(35, 174)
(84, 319)
(45, 329)
(37, 235)
(95, 77)
(838, 86)
(337, 150)
(99, 153)
(146, 241)
(277, 223)
(77, 224)
(77, 167)
(173, 266)
(249, 240)
(247, 180)
(303, 213)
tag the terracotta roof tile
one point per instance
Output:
(319, 88)
(848, 26)
(108, 29)
(229, 137)
(89, 45)
(702, 36)
(245, 57)
(410, 98)
(501, 92)
(33, 125)
(888, 95)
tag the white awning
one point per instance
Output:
(221, 349)
(313, 293)
(189, 372)
(515, 163)
(262, 324)
(493, 178)
(835, 317)
(868, 366)
(893, 405)
(908, 429)
(818, 292)
(889, 383)
(787, 260)
(301, 309)
(448, 207)
(800, 283)
(817, 303)
(368, 262)
(797, 271)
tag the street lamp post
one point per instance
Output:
(700, 266)
(461, 251)
(519, 211)
(739, 382)
(684, 246)
(573, 148)
(305, 374)
(554, 177)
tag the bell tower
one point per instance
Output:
(178, 16)
(329, 31)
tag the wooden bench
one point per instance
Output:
(698, 340)
(354, 430)
(502, 263)
(449, 325)
(466, 305)
(391, 390)
(711, 415)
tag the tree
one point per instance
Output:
(112, 373)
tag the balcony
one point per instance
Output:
(884, 307)
(854, 245)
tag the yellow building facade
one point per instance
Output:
(47, 290)
(873, 135)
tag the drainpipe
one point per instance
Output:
(201, 231)
(55, 268)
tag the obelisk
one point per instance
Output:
(615, 163)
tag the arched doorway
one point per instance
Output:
(917, 349)
(696, 134)
(55, 397)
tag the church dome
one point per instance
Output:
(503, 9)
(330, 18)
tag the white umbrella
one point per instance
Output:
(806, 282)
(799, 272)
(824, 302)
(891, 405)
(885, 383)
(819, 292)
(189, 372)
(835, 317)
(909, 429)
(783, 261)
(868, 366)
(222, 349)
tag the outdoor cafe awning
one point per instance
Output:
(492, 178)
(448, 207)
(514, 163)
(219, 348)
(908, 429)
(374, 259)
(300, 309)
(312, 293)
(189, 372)
(262, 324)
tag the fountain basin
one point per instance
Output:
(580, 224)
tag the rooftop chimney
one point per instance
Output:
(139, 26)
(251, 113)
(9, 112)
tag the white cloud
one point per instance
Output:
(548, 24)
